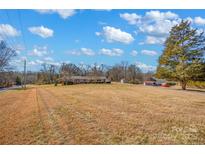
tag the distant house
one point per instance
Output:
(122, 81)
(83, 79)
(154, 82)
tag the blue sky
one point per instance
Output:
(91, 36)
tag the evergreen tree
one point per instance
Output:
(183, 56)
(18, 80)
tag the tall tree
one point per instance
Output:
(116, 72)
(134, 74)
(69, 69)
(97, 70)
(6, 54)
(48, 73)
(183, 56)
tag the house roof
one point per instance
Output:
(153, 79)
(83, 78)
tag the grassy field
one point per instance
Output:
(102, 114)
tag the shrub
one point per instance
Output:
(197, 84)
(135, 81)
(18, 80)
(171, 83)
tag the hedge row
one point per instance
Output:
(198, 84)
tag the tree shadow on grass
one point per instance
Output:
(20, 88)
(193, 90)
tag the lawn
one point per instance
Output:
(102, 114)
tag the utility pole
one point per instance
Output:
(24, 75)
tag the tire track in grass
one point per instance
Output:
(43, 138)
(85, 128)
(20, 125)
(75, 124)
(87, 121)
(55, 130)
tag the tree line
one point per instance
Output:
(182, 61)
(130, 73)
(49, 74)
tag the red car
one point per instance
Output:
(165, 85)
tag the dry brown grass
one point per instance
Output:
(102, 114)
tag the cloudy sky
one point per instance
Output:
(91, 36)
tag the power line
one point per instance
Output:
(25, 45)
(13, 40)
(5, 36)
(22, 29)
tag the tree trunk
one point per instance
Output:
(183, 84)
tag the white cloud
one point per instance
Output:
(160, 28)
(19, 48)
(19, 61)
(53, 63)
(189, 19)
(149, 52)
(88, 52)
(112, 34)
(42, 31)
(157, 15)
(39, 51)
(32, 63)
(7, 30)
(102, 23)
(102, 10)
(63, 13)
(145, 67)
(40, 62)
(153, 23)
(154, 40)
(75, 53)
(97, 33)
(36, 62)
(134, 53)
(132, 18)
(199, 31)
(82, 51)
(111, 52)
(67, 62)
(48, 59)
(199, 21)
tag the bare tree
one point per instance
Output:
(124, 65)
(134, 74)
(116, 73)
(48, 74)
(97, 70)
(6, 54)
(69, 70)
